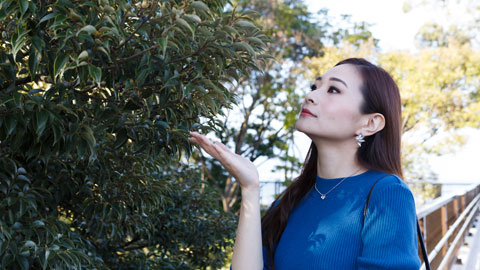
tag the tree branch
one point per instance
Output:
(154, 5)
(137, 54)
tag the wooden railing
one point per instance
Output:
(444, 223)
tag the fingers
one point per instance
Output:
(211, 148)
(223, 147)
(201, 140)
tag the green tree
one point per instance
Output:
(435, 35)
(459, 22)
(96, 101)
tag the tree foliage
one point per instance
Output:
(96, 98)
(455, 21)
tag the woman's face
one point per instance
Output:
(331, 111)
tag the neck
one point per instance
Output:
(337, 160)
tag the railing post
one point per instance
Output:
(455, 207)
(425, 231)
(444, 221)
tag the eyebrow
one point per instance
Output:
(333, 79)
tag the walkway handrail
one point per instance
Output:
(441, 221)
(459, 235)
(452, 229)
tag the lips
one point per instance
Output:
(306, 112)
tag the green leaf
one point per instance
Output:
(81, 147)
(23, 4)
(59, 65)
(245, 24)
(23, 178)
(20, 40)
(192, 18)
(38, 43)
(95, 73)
(199, 5)
(22, 260)
(89, 29)
(140, 78)
(66, 109)
(29, 244)
(10, 123)
(244, 47)
(230, 30)
(102, 49)
(42, 117)
(33, 61)
(83, 55)
(89, 136)
(185, 24)
(47, 17)
(47, 256)
(256, 41)
(163, 124)
(163, 46)
(38, 223)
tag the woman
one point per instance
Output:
(353, 116)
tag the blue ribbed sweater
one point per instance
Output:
(327, 234)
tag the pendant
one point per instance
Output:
(323, 197)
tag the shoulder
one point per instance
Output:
(390, 188)
(390, 180)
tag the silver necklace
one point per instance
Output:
(323, 196)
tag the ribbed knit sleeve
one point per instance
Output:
(389, 233)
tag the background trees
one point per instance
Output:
(96, 100)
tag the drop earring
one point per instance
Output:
(360, 139)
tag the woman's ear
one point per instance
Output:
(373, 123)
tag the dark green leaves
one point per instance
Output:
(199, 6)
(42, 118)
(23, 6)
(59, 65)
(19, 39)
(47, 17)
(98, 98)
(95, 73)
(33, 62)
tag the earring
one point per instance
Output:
(360, 140)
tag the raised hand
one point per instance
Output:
(239, 167)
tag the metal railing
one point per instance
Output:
(444, 223)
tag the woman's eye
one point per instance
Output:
(333, 90)
(313, 87)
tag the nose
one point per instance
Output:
(309, 98)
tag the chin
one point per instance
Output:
(303, 127)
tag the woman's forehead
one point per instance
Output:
(347, 73)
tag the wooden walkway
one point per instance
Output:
(468, 257)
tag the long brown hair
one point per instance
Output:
(380, 151)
